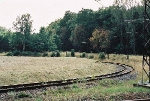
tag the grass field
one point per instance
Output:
(104, 90)
(14, 70)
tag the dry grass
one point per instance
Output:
(134, 61)
(104, 90)
(14, 70)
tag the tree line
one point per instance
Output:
(113, 29)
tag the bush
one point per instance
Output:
(16, 53)
(45, 54)
(36, 54)
(26, 53)
(102, 55)
(57, 54)
(91, 56)
(68, 54)
(23, 95)
(53, 54)
(83, 55)
(9, 54)
(72, 53)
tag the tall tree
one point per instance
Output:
(100, 39)
(66, 26)
(23, 25)
(4, 39)
(79, 35)
(86, 18)
(129, 17)
(118, 28)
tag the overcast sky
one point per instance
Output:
(43, 12)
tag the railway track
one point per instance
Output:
(124, 69)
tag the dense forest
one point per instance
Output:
(114, 29)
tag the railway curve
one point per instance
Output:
(124, 70)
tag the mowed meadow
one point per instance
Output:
(16, 70)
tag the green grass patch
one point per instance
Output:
(106, 90)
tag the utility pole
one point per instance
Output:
(121, 38)
(128, 44)
(146, 47)
(128, 34)
(146, 54)
(131, 30)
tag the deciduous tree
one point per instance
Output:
(100, 39)
(23, 25)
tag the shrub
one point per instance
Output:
(45, 54)
(72, 53)
(102, 55)
(83, 55)
(91, 56)
(36, 54)
(57, 54)
(26, 53)
(23, 95)
(68, 54)
(75, 86)
(53, 54)
(114, 55)
(9, 54)
(16, 53)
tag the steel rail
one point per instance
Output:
(20, 87)
(139, 100)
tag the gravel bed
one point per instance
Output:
(130, 76)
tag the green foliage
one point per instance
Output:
(83, 55)
(66, 26)
(57, 54)
(75, 28)
(108, 82)
(45, 54)
(100, 39)
(79, 34)
(26, 53)
(102, 55)
(4, 39)
(16, 53)
(72, 53)
(23, 95)
(68, 54)
(38, 100)
(23, 26)
(53, 54)
(119, 48)
(9, 54)
(91, 56)
(75, 86)
(36, 54)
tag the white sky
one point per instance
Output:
(43, 12)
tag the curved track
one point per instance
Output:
(124, 69)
